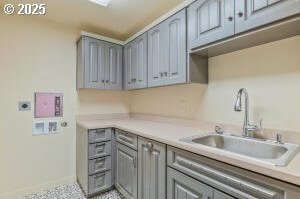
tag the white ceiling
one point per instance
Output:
(120, 20)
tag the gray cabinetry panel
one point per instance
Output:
(231, 180)
(176, 48)
(99, 165)
(167, 51)
(254, 13)
(156, 56)
(126, 173)
(127, 139)
(99, 135)
(220, 195)
(182, 187)
(99, 149)
(210, 21)
(135, 60)
(152, 169)
(94, 63)
(99, 64)
(113, 66)
(100, 182)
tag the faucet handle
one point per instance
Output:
(278, 138)
(219, 130)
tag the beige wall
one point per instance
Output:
(41, 56)
(270, 72)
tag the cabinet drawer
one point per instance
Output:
(99, 165)
(183, 186)
(99, 182)
(99, 135)
(99, 149)
(127, 139)
(231, 180)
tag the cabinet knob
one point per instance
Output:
(161, 74)
(230, 18)
(150, 146)
(240, 14)
(107, 81)
(166, 73)
(103, 81)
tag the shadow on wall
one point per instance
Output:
(273, 59)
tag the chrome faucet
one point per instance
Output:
(247, 127)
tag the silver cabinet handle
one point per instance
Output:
(230, 18)
(240, 14)
(134, 162)
(149, 146)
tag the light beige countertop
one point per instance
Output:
(171, 133)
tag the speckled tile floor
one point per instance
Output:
(70, 191)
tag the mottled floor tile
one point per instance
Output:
(70, 191)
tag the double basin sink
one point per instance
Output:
(278, 154)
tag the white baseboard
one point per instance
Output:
(18, 194)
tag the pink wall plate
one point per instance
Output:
(48, 105)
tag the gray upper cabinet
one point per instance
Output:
(113, 69)
(210, 21)
(176, 48)
(151, 169)
(126, 176)
(99, 64)
(167, 51)
(156, 56)
(254, 13)
(135, 60)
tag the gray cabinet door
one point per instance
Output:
(94, 63)
(210, 21)
(135, 60)
(180, 186)
(113, 66)
(157, 53)
(221, 195)
(152, 169)
(126, 176)
(254, 13)
(176, 48)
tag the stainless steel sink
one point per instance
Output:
(264, 150)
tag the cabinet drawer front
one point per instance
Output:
(99, 135)
(234, 181)
(99, 165)
(99, 149)
(181, 186)
(127, 139)
(100, 182)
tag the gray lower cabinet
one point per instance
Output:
(135, 62)
(151, 169)
(94, 160)
(99, 64)
(210, 21)
(188, 170)
(254, 13)
(167, 51)
(127, 171)
(181, 186)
